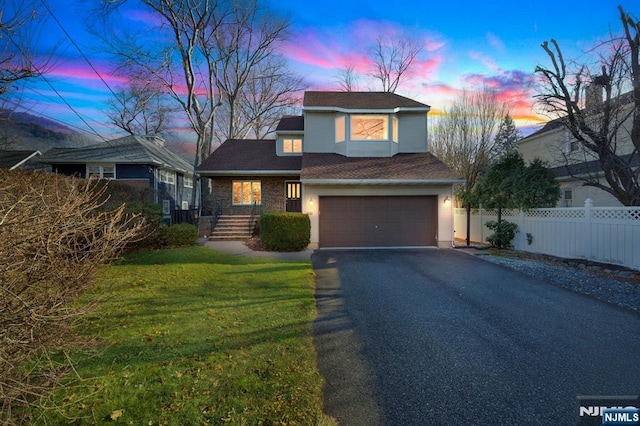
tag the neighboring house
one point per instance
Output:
(570, 162)
(356, 162)
(139, 161)
(27, 160)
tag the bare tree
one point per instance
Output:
(347, 79)
(247, 50)
(186, 66)
(609, 129)
(267, 96)
(463, 138)
(393, 57)
(19, 27)
(139, 110)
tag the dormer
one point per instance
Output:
(290, 136)
(364, 124)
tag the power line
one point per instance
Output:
(46, 6)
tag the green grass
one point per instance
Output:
(189, 337)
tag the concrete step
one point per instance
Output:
(232, 227)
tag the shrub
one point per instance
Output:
(285, 231)
(153, 234)
(182, 234)
(54, 236)
(504, 233)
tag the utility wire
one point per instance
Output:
(46, 6)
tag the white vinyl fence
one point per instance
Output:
(601, 234)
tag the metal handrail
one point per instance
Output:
(216, 216)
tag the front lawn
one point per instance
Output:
(192, 336)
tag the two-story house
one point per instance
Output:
(138, 161)
(571, 163)
(355, 162)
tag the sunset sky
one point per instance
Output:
(467, 44)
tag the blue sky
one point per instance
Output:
(467, 44)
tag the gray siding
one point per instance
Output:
(319, 132)
(319, 136)
(412, 132)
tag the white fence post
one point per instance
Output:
(587, 232)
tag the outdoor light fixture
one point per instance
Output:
(310, 200)
(446, 200)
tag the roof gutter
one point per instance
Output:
(381, 181)
(248, 172)
(394, 110)
(20, 163)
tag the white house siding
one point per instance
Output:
(312, 194)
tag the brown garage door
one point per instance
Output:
(378, 221)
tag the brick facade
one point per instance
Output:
(272, 188)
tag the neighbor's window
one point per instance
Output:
(369, 127)
(187, 181)
(167, 176)
(567, 198)
(247, 192)
(394, 129)
(340, 129)
(292, 145)
(101, 171)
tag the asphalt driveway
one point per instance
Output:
(418, 337)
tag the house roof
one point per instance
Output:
(15, 159)
(249, 156)
(360, 101)
(416, 167)
(295, 123)
(130, 149)
(589, 167)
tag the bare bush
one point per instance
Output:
(54, 236)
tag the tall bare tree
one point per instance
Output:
(139, 109)
(247, 50)
(182, 59)
(393, 57)
(609, 129)
(267, 97)
(20, 23)
(347, 79)
(464, 138)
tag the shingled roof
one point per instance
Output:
(130, 149)
(15, 159)
(360, 100)
(295, 123)
(254, 156)
(419, 167)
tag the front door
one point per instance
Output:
(293, 196)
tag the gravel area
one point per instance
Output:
(609, 283)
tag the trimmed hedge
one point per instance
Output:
(285, 231)
(182, 234)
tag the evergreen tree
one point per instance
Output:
(506, 140)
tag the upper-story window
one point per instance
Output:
(369, 127)
(187, 181)
(292, 146)
(394, 129)
(340, 129)
(167, 176)
(101, 171)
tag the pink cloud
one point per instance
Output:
(484, 60)
(495, 42)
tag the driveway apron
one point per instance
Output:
(415, 337)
